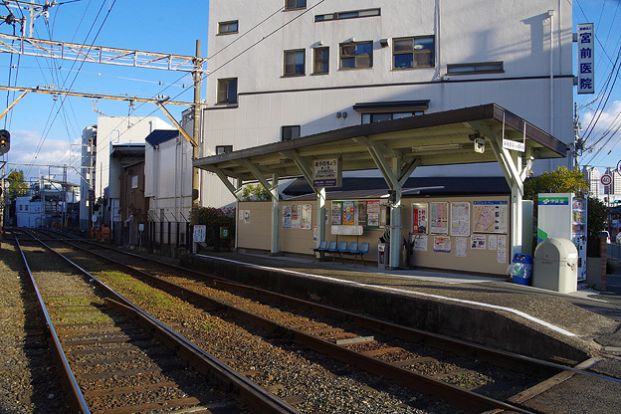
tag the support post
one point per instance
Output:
(196, 132)
(15, 102)
(275, 248)
(321, 214)
(395, 217)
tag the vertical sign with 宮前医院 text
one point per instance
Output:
(586, 58)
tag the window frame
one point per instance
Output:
(474, 66)
(316, 63)
(354, 55)
(295, 74)
(137, 182)
(400, 115)
(290, 128)
(344, 15)
(223, 149)
(228, 100)
(228, 23)
(413, 52)
(295, 6)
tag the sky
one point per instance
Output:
(40, 121)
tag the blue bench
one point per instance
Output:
(343, 248)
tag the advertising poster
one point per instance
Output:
(501, 251)
(349, 213)
(490, 216)
(361, 216)
(420, 221)
(373, 213)
(461, 246)
(460, 219)
(335, 219)
(478, 242)
(492, 242)
(244, 216)
(439, 218)
(442, 244)
(286, 217)
(295, 216)
(307, 217)
(420, 243)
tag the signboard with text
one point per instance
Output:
(327, 173)
(200, 231)
(586, 58)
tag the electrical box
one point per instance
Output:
(556, 266)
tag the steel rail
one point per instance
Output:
(249, 392)
(496, 355)
(417, 382)
(77, 400)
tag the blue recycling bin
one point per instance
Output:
(521, 269)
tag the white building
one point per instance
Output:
(338, 64)
(29, 214)
(100, 171)
(168, 176)
(593, 176)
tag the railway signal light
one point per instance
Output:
(5, 141)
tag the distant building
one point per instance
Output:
(101, 176)
(593, 176)
(615, 187)
(337, 64)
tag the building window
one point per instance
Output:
(321, 60)
(223, 149)
(134, 181)
(227, 91)
(354, 14)
(26, 207)
(356, 55)
(289, 132)
(388, 116)
(228, 27)
(474, 68)
(413, 52)
(295, 4)
(295, 62)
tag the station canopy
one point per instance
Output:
(440, 138)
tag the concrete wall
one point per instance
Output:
(516, 33)
(253, 233)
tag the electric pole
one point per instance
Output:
(578, 142)
(196, 130)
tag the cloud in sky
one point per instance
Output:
(55, 151)
(605, 120)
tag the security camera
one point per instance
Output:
(479, 145)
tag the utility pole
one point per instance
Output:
(578, 142)
(196, 130)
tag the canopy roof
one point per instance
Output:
(439, 138)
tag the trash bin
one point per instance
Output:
(556, 265)
(521, 269)
(383, 255)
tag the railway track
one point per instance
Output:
(472, 377)
(115, 358)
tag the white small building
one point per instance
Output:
(168, 178)
(318, 66)
(29, 214)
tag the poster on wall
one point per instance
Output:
(461, 246)
(295, 216)
(244, 216)
(361, 213)
(335, 213)
(286, 217)
(307, 217)
(420, 222)
(442, 244)
(349, 213)
(421, 242)
(460, 219)
(478, 242)
(501, 251)
(490, 216)
(492, 242)
(373, 213)
(439, 218)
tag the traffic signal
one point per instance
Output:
(5, 141)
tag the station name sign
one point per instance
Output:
(327, 173)
(586, 58)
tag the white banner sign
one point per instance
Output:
(586, 58)
(200, 231)
(327, 173)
